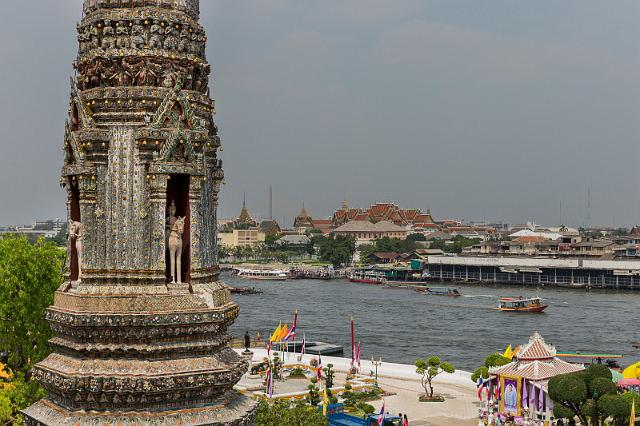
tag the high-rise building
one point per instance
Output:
(141, 319)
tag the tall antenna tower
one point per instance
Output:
(588, 224)
(270, 202)
(560, 224)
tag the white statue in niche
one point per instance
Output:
(76, 233)
(175, 250)
(171, 218)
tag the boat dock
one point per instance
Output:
(574, 273)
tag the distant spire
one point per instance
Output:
(345, 203)
(303, 219)
(244, 217)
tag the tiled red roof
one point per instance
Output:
(383, 212)
(536, 361)
(536, 370)
(536, 349)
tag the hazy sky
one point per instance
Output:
(477, 109)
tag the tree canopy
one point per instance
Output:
(455, 246)
(29, 276)
(493, 360)
(336, 250)
(589, 394)
(429, 368)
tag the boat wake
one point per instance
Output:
(473, 296)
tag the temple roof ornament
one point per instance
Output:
(303, 219)
(191, 7)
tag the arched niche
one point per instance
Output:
(74, 215)
(178, 193)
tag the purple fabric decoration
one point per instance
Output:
(541, 400)
(525, 394)
(532, 397)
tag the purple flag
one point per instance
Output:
(525, 394)
(532, 397)
(541, 400)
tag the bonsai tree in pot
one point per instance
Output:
(430, 368)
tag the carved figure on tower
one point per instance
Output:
(175, 250)
(76, 231)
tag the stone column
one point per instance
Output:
(88, 186)
(157, 184)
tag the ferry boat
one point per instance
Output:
(263, 274)
(451, 292)
(369, 277)
(533, 304)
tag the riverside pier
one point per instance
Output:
(575, 273)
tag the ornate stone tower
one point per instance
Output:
(141, 319)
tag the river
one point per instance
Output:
(402, 325)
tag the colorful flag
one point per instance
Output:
(541, 400)
(319, 371)
(292, 332)
(632, 418)
(325, 402)
(508, 353)
(276, 334)
(480, 389)
(283, 332)
(269, 379)
(353, 343)
(382, 415)
(532, 398)
(269, 346)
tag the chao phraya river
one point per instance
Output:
(402, 325)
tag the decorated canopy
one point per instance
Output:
(536, 361)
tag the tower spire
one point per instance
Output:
(142, 298)
(345, 203)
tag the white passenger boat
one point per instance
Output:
(263, 274)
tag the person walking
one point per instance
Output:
(405, 421)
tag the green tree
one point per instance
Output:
(29, 276)
(570, 392)
(15, 396)
(337, 250)
(291, 414)
(313, 397)
(493, 360)
(615, 407)
(61, 237)
(580, 393)
(224, 252)
(416, 237)
(429, 369)
(455, 245)
(270, 240)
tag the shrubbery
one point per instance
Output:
(282, 413)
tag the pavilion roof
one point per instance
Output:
(536, 349)
(536, 370)
(536, 361)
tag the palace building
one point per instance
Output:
(141, 319)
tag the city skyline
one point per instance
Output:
(494, 111)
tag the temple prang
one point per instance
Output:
(141, 320)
